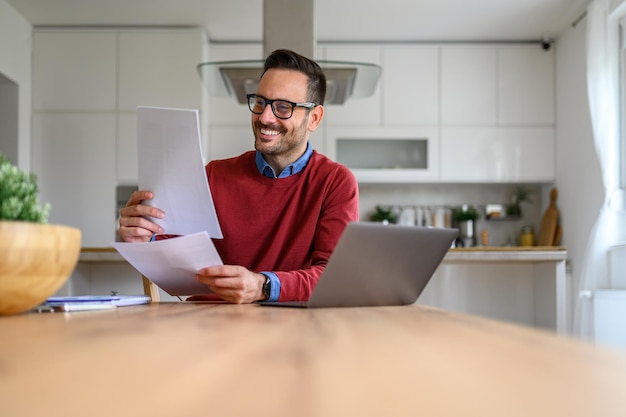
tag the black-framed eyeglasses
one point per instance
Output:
(283, 109)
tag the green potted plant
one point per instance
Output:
(18, 195)
(35, 258)
(520, 195)
(383, 215)
(465, 213)
(465, 218)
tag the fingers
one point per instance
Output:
(134, 223)
(134, 206)
(138, 196)
(232, 283)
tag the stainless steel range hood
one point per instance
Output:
(290, 24)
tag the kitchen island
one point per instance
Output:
(521, 285)
(203, 359)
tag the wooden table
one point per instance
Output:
(195, 359)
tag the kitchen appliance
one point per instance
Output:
(289, 24)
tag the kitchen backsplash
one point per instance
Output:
(432, 205)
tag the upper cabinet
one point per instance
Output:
(468, 86)
(491, 86)
(410, 83)
(497, 114)
(159, 69)
(74, 71)
(87, 85)
(486, 110)
(526, 86)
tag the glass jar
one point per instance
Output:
(527, 236)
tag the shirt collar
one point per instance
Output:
(291, 169)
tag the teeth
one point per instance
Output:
(269, 132)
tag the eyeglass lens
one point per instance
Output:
(281, 109)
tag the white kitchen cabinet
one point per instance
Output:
(158, 68)
(74, 71)
(468, 86)
(73, 157)
(396, 158)
(495, 86)
(356, 110)
(497, 154)
(525, 86)
(126, 149)
(410, 82)
(497, 114)
(87, 85)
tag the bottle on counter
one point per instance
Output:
(484, 237)
(527, 236)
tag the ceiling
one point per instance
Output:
(336, 20)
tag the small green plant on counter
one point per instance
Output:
(465, 213)
(384, 215)
(520, 195)
(18, 195)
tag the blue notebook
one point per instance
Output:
(91, 302)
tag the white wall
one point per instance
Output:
(578, 175)
(15, 64)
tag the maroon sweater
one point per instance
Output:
(289, 226)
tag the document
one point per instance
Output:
(172, 263)
(171, 165)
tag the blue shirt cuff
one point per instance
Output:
(275, 287)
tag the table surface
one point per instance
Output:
(201, 359)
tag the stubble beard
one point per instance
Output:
(288, 142)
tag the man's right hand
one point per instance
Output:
(134, 223)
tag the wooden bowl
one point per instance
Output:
(35, 261)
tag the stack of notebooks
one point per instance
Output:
(90, 302)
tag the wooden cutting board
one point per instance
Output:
(549, 223)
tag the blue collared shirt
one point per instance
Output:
(266, 170)
(291, 169)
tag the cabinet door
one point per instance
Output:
(526, 86)
(410, 86)
(127, 170)
(390, 163)
(74, 159)
(468, 86)
(506, 154)
(159, 69)
(356, 110)
(74, 71)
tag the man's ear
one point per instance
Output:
(316, 115)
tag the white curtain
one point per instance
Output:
(603, 91)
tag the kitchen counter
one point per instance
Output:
(525, 285)
(199, 359)
(480, 254)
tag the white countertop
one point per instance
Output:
(477, 254)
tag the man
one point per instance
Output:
(282, 207)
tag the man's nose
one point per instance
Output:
(267, 114)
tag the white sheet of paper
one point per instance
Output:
(171, 165)
(172, 263)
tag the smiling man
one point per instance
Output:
(281, 207)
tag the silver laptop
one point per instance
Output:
(378, 265)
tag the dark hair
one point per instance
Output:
(286, 59)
